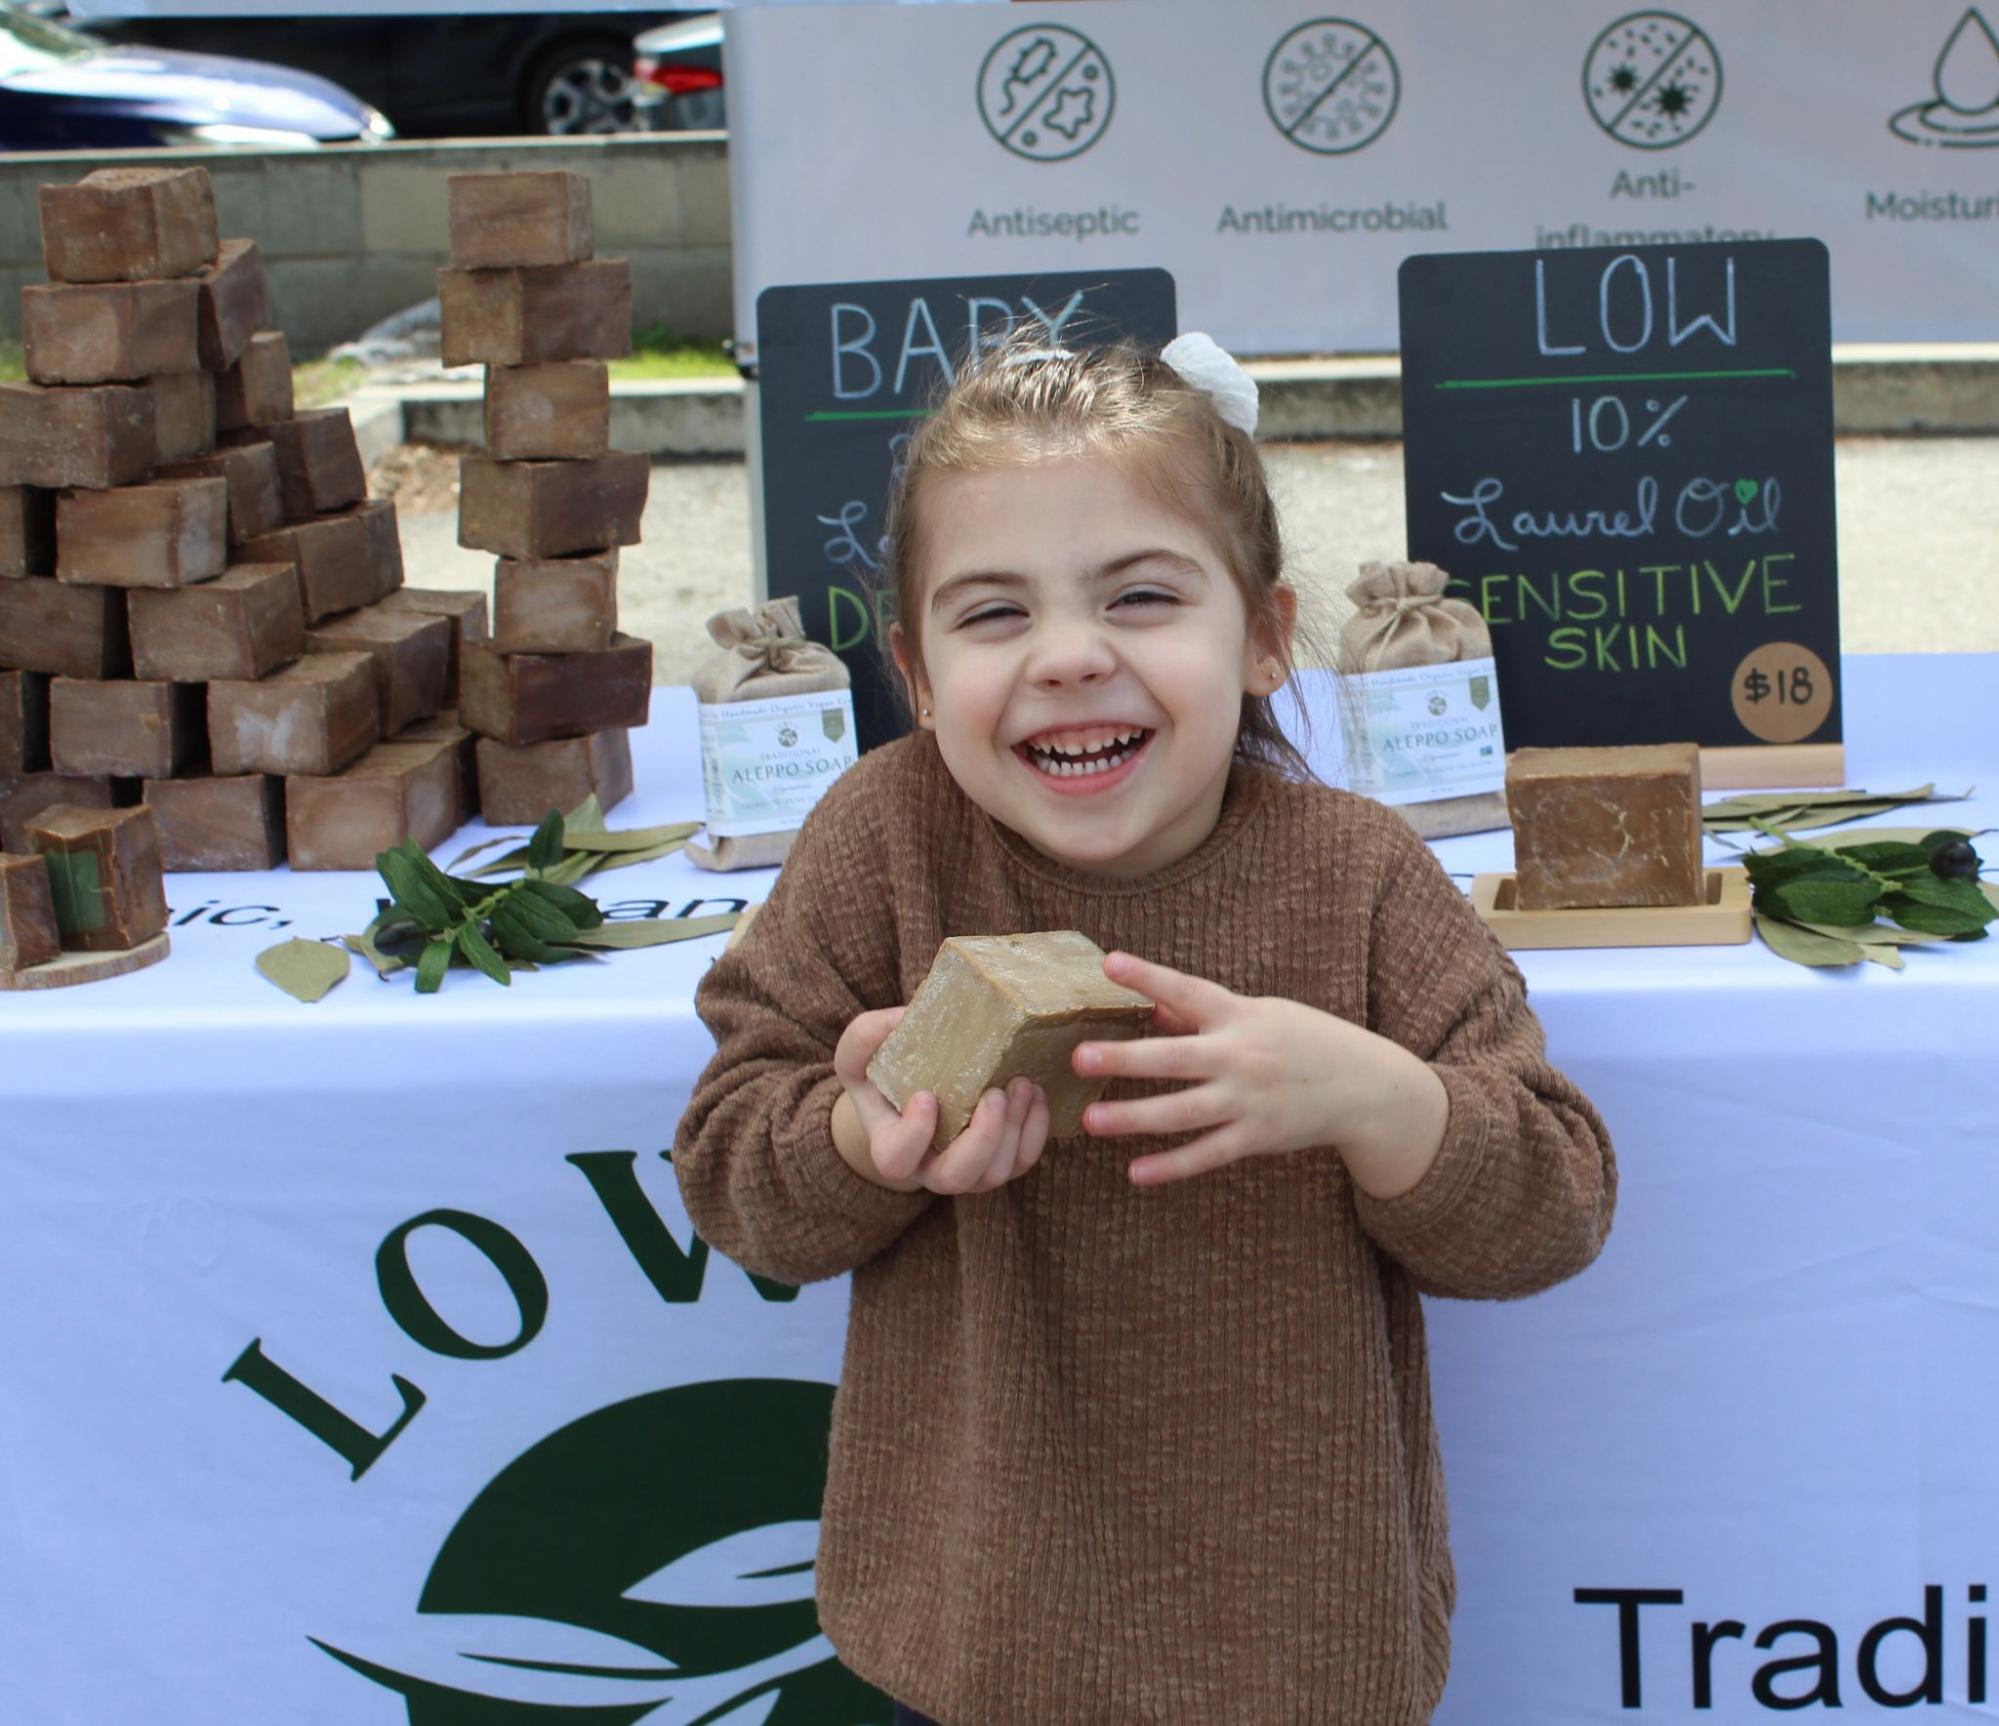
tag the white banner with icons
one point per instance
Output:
(1282, 161)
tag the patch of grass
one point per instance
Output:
(657, 352)
(12, 367)
(315, 383)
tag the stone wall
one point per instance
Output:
(353, 233)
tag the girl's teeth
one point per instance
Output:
(1061, 767)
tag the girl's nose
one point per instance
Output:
(1070, 653)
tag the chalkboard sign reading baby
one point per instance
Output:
(1624, 459)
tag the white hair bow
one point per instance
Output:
(1201, 361)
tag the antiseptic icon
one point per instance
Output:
(1964, 112)
(1331, 86)
(1652, 80)
(1046, 92)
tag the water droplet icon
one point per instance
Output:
(1968, 68)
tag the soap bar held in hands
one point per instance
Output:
(999, 1007)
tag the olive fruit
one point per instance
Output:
(1955, 861)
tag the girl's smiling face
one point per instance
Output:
(1085, 653)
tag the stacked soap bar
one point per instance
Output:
(103, 879)
(1596, 828)
(89, 516)
(553, 695)
(312, 730)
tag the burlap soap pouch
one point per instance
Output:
(777, 727)
(1402, 623)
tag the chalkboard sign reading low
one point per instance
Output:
(844, 373)
(1623, 458)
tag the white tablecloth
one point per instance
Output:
(1772, 1399)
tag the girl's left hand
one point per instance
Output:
(1263, 1075)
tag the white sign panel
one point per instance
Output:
(1281, 162)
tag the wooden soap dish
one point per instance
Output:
(73, 968)
(1723, 921)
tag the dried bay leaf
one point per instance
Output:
(305, 970)
(1789, 811)
(637, 838)
(467, 855)
(632, 859)
(572, 868)
(1804, 946)
(386, 964)
(586, 817)
(1874, 934)
(654, 931)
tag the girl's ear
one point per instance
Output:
(912, 679)
(1272, 642)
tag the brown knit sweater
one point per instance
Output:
(1104, 1455)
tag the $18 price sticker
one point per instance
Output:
(1782, 692)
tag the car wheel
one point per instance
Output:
(581, 87)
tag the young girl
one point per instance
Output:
(1134, 1426)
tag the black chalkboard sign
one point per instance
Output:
(1623, 458)
(844, 372)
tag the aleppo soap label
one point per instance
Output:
(765, 763)
(1424, 732)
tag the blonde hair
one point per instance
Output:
(1024, 402)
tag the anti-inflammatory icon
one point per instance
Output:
(1046, 92)
(1964, 112)
(1652, 80)
(1331, 86)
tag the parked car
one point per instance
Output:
(435, 71)
(63, 90)
(677, 70)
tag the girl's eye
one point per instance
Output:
(1144, 596)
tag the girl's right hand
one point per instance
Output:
(1002, 1141)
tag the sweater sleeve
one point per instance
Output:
(762, 1180)
(1521, 1192)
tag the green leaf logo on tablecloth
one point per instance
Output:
(650, 1561)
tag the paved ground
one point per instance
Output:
(1918, 539)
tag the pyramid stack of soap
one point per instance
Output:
(553, 695)
(203, 536)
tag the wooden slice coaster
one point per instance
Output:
(74, 968)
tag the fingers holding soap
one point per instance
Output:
(1011, 1159)
(900, 1142)
(865, 1033)
(969, 1158)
